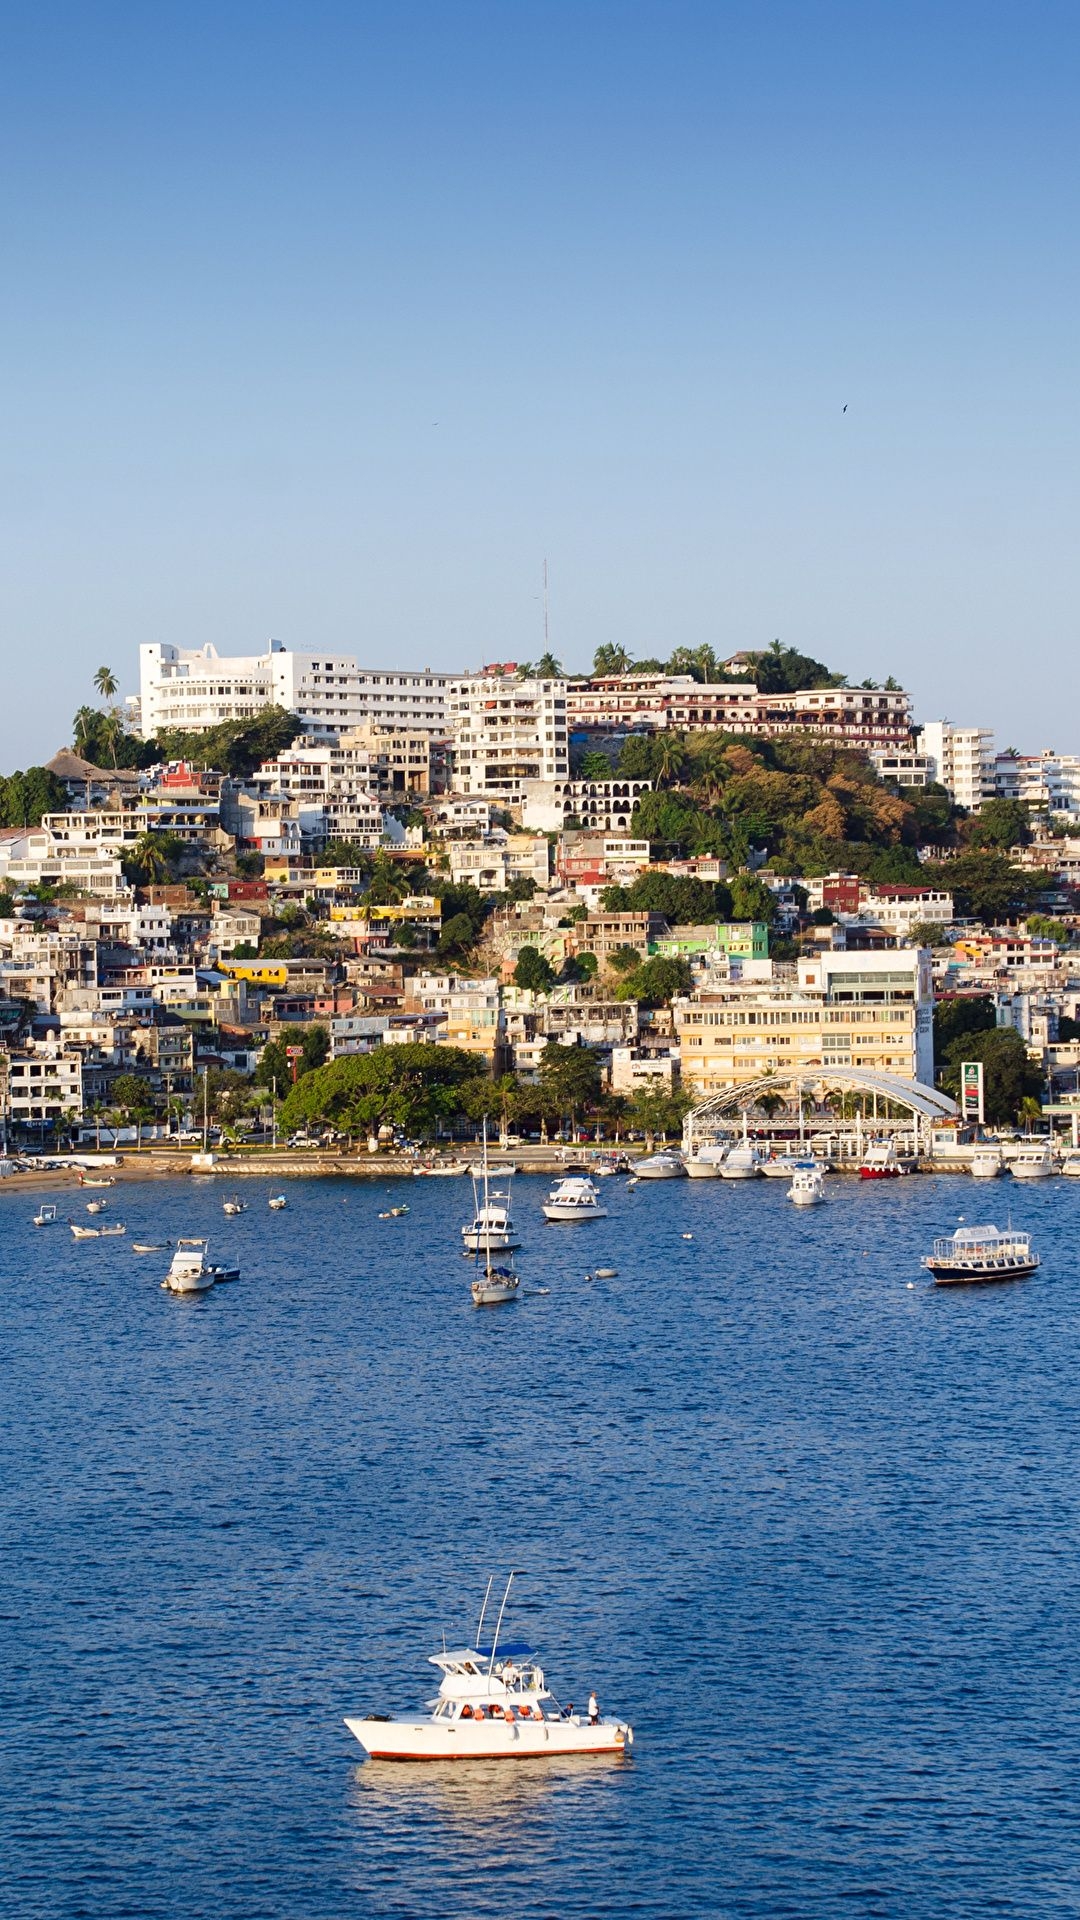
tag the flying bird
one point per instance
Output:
(845, 406)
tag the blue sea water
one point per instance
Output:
(809, 1523)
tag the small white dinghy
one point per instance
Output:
(234, 1206)
(276, 1202)
(45, 1215)
(494, 1703)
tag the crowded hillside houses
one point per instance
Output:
(701, 872)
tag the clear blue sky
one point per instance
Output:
(329, 322)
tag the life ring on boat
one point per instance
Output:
(478, 1713)
(524, 1713)
(466, 1713)
(537, 1712)
(508, 1715)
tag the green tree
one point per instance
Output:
(153, 858)
(624, 959)
(26, 797)
(751, 899)
(456, 937)
(1009, 1075)
(521, 887)
(611, 659)
(274, 1062)
(133, 1100)
(106, 683)
(411, 1087)
(957, 1015)
(548, 668)
(1041, 927)
(569, 1079)
(1002, 824)
(533, 971)
(594, 766)
(656, 983)
(658, 1110)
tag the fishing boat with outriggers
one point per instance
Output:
(493, 1703)
(574, 1198)
(974, 1254)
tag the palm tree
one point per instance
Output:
(670, 760)
(106, 683)
(611, 659)
(87, 721)
(548, 668)
(149, 858)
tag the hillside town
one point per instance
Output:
(604, 898)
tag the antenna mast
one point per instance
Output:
(546, 641)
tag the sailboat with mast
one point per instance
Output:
(495, 1283)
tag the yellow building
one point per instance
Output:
(869, 1010)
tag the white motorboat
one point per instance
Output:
(85, 1233)
(660, 1166)
(981, 1253)
(234, 1206)
(784, 1166)
(493, 1703)
(45, 1215)
(96, 1206)
(276, 1202)
(742, 1163)
(441, 1170)
(1032, 1162)
(881, 1162)
(115, 1232)
(574, 1198)
(87, 1180)
(807, 1187)
(1070, 1167)
(190, 1272)
(986, 1163)
(704, 1163)
(149, 1246)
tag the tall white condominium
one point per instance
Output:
(963, 761)
(506, 731)
(195, 688)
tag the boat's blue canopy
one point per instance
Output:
(509, 1649)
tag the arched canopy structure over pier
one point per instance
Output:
(924, 1105)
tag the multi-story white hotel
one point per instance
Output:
(1046, 782)
(192, 689)
(870, 1010)
(869, 718)
(505, 732)
(962, 759)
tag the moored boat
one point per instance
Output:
(1033, 1162)
(1070, 1166)
(45, 1215)
(660, 1166)
(985, 1163)
(974, 1254)
(573, 1199)
(807, 1187)
(881, 1162)
(234, 1206)
(85, 1233)
(493, 1703)
(190, 1271)
(276, 1202)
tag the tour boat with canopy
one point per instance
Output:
(493, 1703)
(981, 1253)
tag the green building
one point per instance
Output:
(741, 939)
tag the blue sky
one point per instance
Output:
(329, 322)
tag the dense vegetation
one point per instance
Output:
(26, 797)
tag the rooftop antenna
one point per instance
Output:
(546, 643)
(483, 1610)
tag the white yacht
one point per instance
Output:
(704, 1163)
(493, 1703)
(1070, 1166)
(491, 1229)
(574, 1198)
(667, 1165)
(784, 1166)
(981, 1253)
(807, 1187)
(986, 1163)
(190, 1271)
(742, 1163)
(1033, 1162)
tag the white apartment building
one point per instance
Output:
(866, 717)
(195, 688)
(329, 781)
(903, 767)
(493, 862)
(1046, 782)
(603, 806)
(505, 732)
(962, 759)
(871, 1010)
(32, 856)
(43, 1084)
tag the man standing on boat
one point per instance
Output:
(594, 1710)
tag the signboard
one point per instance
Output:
(294, 1054)
(971, 1090)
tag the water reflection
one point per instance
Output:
(477, 1796)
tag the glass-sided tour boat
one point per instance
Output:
(981, 1253)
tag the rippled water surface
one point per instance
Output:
(811, 1525)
